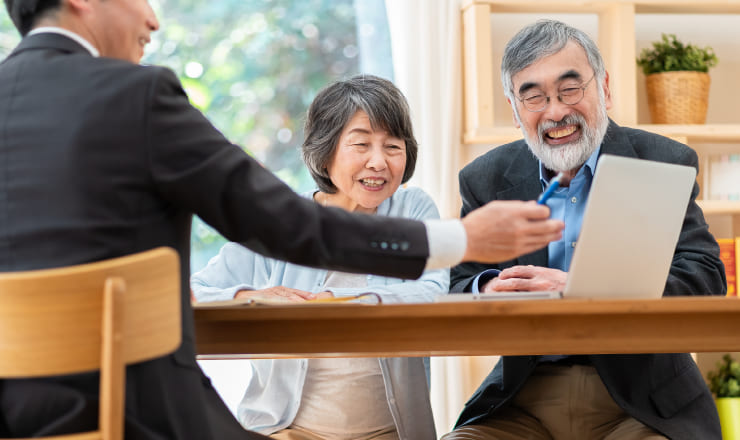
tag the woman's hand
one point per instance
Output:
(282, 293)
(277, 292)
(527, 279)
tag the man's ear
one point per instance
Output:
(607, 92)
(513, 114)
(78, 5)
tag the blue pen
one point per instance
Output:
(551, 187)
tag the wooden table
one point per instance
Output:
(681, 324)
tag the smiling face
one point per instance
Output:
(367, 166)
(122, 28)
(562, 136)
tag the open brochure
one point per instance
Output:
(362, 298)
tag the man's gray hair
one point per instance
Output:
(336, 104)
(541, 39)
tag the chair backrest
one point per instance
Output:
(96, 316)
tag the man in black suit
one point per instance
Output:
(555, 80)
(101, 157)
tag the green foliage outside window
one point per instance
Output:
(253, 67)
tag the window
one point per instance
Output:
(253, 67)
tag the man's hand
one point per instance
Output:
(502, 230)
(527, 279)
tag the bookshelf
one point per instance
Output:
(615, 25)
(619, 28)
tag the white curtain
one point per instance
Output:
(427, 64)
(425, 41)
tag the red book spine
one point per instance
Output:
(727, 251)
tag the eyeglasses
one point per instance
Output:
(535, 100)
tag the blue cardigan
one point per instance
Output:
(271, 400)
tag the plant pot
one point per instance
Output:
(678, 97)
(729, 417)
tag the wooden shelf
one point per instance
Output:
(698, 133)
(706, 133)
(719, 207)
(616, 40)
(618, 44)
(640, 6)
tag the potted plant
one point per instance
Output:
(677, 81)
(724, 382)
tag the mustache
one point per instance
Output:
(571, 119)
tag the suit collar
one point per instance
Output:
(616, 142)
(67, 33)
(49, 41)
(522, 175)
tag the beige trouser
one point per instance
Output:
(294, 433)
(559, 402)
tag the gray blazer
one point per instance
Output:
(101, 158)
(664, 391)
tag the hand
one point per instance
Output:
(278, 292)
(527, 279)
(323, 295)
(502, 230)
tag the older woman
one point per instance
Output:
(359, 148)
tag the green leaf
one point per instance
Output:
(724, 381)
(669, 54)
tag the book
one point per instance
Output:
(736, 272)
(728, 252)
(723, 178)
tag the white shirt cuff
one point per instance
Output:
(447, 243)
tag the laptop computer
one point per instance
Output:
(629, 233)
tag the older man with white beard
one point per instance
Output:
(555, 80)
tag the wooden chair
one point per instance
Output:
(96, 316)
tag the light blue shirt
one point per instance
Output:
(568, 204)
(273, 394)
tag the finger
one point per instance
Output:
(281, 292)
(539, 235)
(303, 294)
(490, 286)
(509, 285)
(517, 272)
(548, 226)
(534, 211)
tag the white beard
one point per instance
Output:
(570, 156)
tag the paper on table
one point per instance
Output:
(362, 298)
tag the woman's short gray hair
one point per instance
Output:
(333, 108)
(541, 39)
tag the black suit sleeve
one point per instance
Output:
(194, 166)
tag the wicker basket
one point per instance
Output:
(678, 97)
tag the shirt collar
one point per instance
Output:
(589, 166)
(69, 34)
